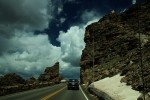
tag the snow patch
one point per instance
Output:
(115, 89)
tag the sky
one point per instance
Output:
(35, 34)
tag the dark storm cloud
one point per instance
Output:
(72, 10)
(74, 61)
(71, 72)
(22, 51)
(22, 14)
(3, 44)
(29, 55)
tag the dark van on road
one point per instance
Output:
(73, 84)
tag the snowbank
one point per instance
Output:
(115, 89)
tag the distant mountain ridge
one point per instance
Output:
(12, 82)
(51, 74)
(116, 47)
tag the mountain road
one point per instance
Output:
(56, 92)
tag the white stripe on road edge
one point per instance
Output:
(83, 93)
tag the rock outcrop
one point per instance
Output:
(11, 79)
(51, 74)
(114, 44)
(11, 82)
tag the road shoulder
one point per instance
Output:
(89, 95)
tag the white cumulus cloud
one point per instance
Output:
(90, 16)
(72, 44)
(20, 50)
(23, 52)
(29, 55)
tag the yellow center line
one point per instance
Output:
(52, 94)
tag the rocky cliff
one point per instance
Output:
(51, 74)
(114, 44)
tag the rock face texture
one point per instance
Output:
(11, 79)
(11, 82)
(51, 74)
(113, 42)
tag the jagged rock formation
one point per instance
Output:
(31, 80)
(11, 79)
(115, 39)
(11, 83)
(51, 74)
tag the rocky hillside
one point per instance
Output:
(11, 82)
(115, 39)
(50, 74)
(11, 79)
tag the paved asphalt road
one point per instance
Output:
(57, 92)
